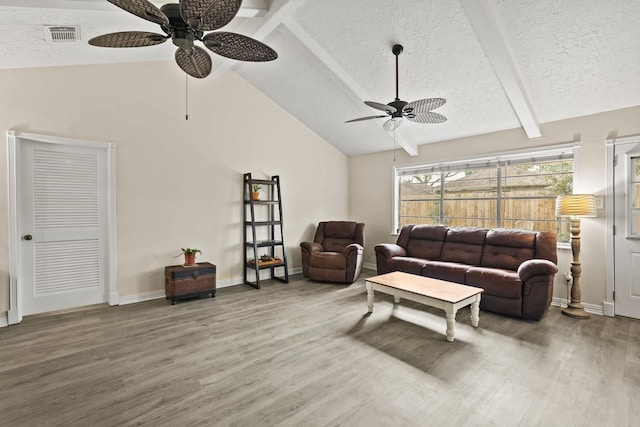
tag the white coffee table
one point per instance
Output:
(447, 296)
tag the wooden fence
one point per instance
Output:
(528, 210)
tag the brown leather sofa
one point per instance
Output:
(335, 255)
(515, 268)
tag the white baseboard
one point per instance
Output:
(4, 320)
(608, 309)
(589, 308)
(147, 296)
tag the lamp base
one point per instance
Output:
(576, 312)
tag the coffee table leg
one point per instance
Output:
(451, 322)
(396, 299)
(369, 297)
(475, 313)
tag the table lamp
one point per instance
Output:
(575, 206)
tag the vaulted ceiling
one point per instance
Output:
(500, 64)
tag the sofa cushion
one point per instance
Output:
(328, 260)
(505, 248)
(464, 245)
(426, 241)
(495, 281)
(406, 264)
(450, 271)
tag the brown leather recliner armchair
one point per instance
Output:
(336, 253)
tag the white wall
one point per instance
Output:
(371, 179)
(179, 183)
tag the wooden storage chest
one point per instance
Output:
(184, 282)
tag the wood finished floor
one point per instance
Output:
(305, 354)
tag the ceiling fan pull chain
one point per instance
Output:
(186, 96)
(394, 147)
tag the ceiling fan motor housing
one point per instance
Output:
(181, 34)
(399, 106)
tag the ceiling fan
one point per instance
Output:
(184, 23)
(417, 111)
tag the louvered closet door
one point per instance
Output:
(63, 226)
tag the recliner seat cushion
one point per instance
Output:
(450, 271)
(406, 264)
(495, 281)
(332, 260)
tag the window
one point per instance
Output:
(517, 191)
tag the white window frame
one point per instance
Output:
(564, 150)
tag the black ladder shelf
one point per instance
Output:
(263, 229)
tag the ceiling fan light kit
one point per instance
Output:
(419, 111)
(185, 23)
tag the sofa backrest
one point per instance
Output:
(546, 246)
(464, 245)
(335, 235)
(423, 241)
(498, 248)
(508, 248)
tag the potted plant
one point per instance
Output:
(255, 191)
(190, 256)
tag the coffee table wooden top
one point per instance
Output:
(433, 288)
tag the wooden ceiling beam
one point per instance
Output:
(485, 25)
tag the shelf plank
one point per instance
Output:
(265, 243)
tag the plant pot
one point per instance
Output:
(189, 260)
(255, 195)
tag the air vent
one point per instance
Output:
(62, 34)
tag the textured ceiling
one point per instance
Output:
(500, 64)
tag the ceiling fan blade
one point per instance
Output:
(128, 39)
(392, 124)
(365, 118)
(239, 47)
(384, 107)
(209, 15)
(144, 9)
(425, 105)
(428, 117)
(195, 61)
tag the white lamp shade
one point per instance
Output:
(576, 205)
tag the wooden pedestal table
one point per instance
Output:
(448, 296)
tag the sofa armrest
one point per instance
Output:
(389, 250)
(537, 287)
(354, 255)
(311, 247)
(354, 247)
(307, 248)
(536, 267)
(385, 251)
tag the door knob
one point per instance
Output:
(28, 237)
